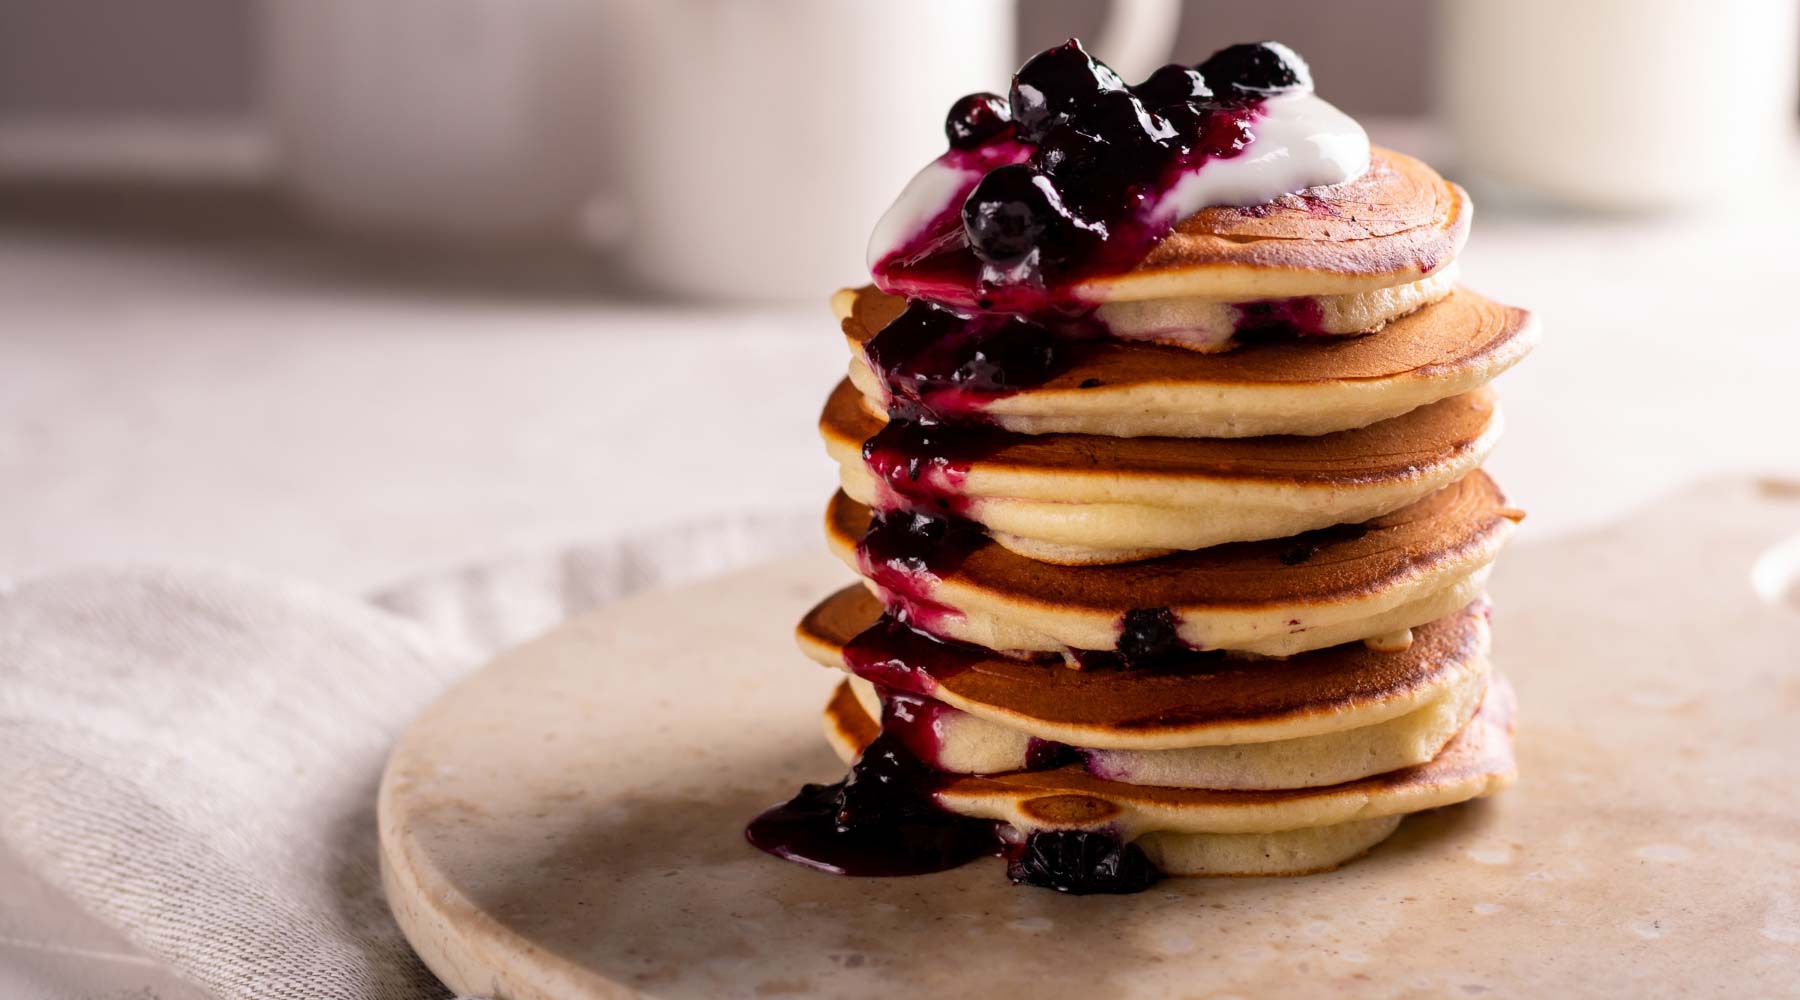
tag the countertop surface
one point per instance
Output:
(225, 393)
(187, 379)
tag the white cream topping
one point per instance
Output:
(1300, 141)
(924, 198)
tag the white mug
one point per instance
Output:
(464, 118)
(767, 136)
(1621, 104)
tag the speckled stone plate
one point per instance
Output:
(568, 822)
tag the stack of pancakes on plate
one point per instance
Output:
(1211, 591)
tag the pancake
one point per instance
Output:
(1396, 223)
(1275, 598)
(1303, 385)
(1207, 326)
(1307, 851)
(961, 743)
(1227, 700)
(1081, 499)
(1194, 831)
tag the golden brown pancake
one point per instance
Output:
(1203, 325)
(1228, 700)
(1073, 467)
(1397, 222)
(1479, 761)
(1304, 385)
(967, 744)
(1078, 499)
(1274, 597)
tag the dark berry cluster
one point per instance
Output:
(929, 348)
(886, 787)
(1100, 144)
(1149, 636)
(1081, 862)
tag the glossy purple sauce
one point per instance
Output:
(904, 552)
(880, 820)
(1298, 316)
(895, 655)
(937, 264)
(922, 466)
(939, 365)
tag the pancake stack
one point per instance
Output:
(1191, 586)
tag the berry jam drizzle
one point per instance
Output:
(1080, 863)
(907, 666)
(903, 553)
(921, 466)
(1076, 184)
(938, 365)
(894, 655)
(879, 820)
(1073, 175)
(1281, 316)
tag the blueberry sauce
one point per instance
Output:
(880, 820)
(1302, 316)
(1086, 198)
(1072, 176)
(906, 666)
(894, 655)
(903, 552)
(1081, 862)
(1084, 203)
(938, 364)
(918, 466)
(916, 721)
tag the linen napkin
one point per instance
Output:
(192, 755)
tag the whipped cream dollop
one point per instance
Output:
(1298, 141)
(934, 192)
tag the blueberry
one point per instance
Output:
(1172, 84)
(1256, 69)
(1042, 755)
(1097, 156)
(1210, 128)
(1053, 84)
(1147, 636)
(883, 787)
(1069, 153)
(1018, 352)
(1121, 120)
(1012, 211)
(1080, 862)
(975, 119)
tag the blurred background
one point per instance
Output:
(353, 289)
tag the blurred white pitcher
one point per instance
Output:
(465, 118)
(1621, 104)
(767, 136)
